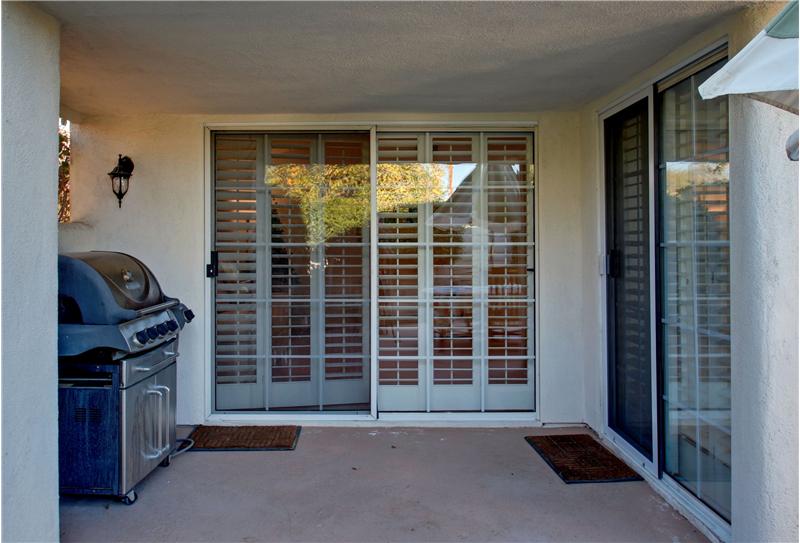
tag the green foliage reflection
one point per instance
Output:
(334, 198)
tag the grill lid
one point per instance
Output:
(131, 283)
(102, 287)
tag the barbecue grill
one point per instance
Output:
(118, 347)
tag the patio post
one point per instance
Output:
(29, 188)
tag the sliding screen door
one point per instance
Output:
(630, 379)
(292, 293)
(455, 272)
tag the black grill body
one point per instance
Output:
(118, 348)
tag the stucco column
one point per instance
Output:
(764, 313)
(29, 274)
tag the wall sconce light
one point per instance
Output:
(121, 177)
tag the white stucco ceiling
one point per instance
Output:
(304, 57)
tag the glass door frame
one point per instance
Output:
(500, 126)
(650, 465)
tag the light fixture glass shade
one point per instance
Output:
(119, 184)
(120, 177)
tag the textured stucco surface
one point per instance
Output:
(29, 242)
(162, 222)
(764, 316)
(764, 312)
(301, 57)
(398, 485)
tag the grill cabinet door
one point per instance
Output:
(88, 435)
(143, 434)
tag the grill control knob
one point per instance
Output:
(189, 314)
(172, 325)
(152, 332)
(162, 329)
(140, 338)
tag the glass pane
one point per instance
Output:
(240, 353)
(508, 344)
(455, 263)
(695, 290)
(319, 198)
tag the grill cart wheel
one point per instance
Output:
(130, 498)
(166, 462)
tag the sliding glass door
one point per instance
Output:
(455, 272)
(694, 252)
(292, 291)
(690, 438)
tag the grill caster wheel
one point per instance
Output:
(129, 498)
(166, 462)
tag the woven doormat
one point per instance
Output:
(578, 458)
(245, 438)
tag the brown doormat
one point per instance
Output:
(245, 438)
(578, 458)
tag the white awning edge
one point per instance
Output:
(766, 64)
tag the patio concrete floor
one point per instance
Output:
(378, 484)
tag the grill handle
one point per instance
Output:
(156, 308)
(158, 449)
(164, 424)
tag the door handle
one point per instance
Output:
(212, 270)
(614, 263)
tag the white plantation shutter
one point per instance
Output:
(347, 273)
(239, 308)
(398, 272)
(292, 348)
(509, 194)
(455, 255)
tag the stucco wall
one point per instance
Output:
(764, 317)
(162, 222)
(29, 240)
(764, 269)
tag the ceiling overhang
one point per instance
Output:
(330, 57)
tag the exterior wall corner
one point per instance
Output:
(30, 81)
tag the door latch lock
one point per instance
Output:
(212, 270)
